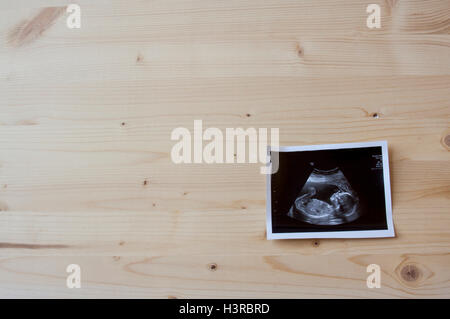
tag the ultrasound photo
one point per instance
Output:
(330, 191)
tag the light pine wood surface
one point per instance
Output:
(86, 115)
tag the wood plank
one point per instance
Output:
(85, 122)
(286, 276)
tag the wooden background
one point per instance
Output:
(85, 122)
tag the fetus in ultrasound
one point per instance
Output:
(326, 199)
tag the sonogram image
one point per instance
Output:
(330, 191)
(326, 199)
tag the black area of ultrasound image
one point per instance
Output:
(329, 190)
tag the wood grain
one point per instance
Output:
(85, 122)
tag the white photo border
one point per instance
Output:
(389, 232)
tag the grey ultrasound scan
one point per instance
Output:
(326, 199)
